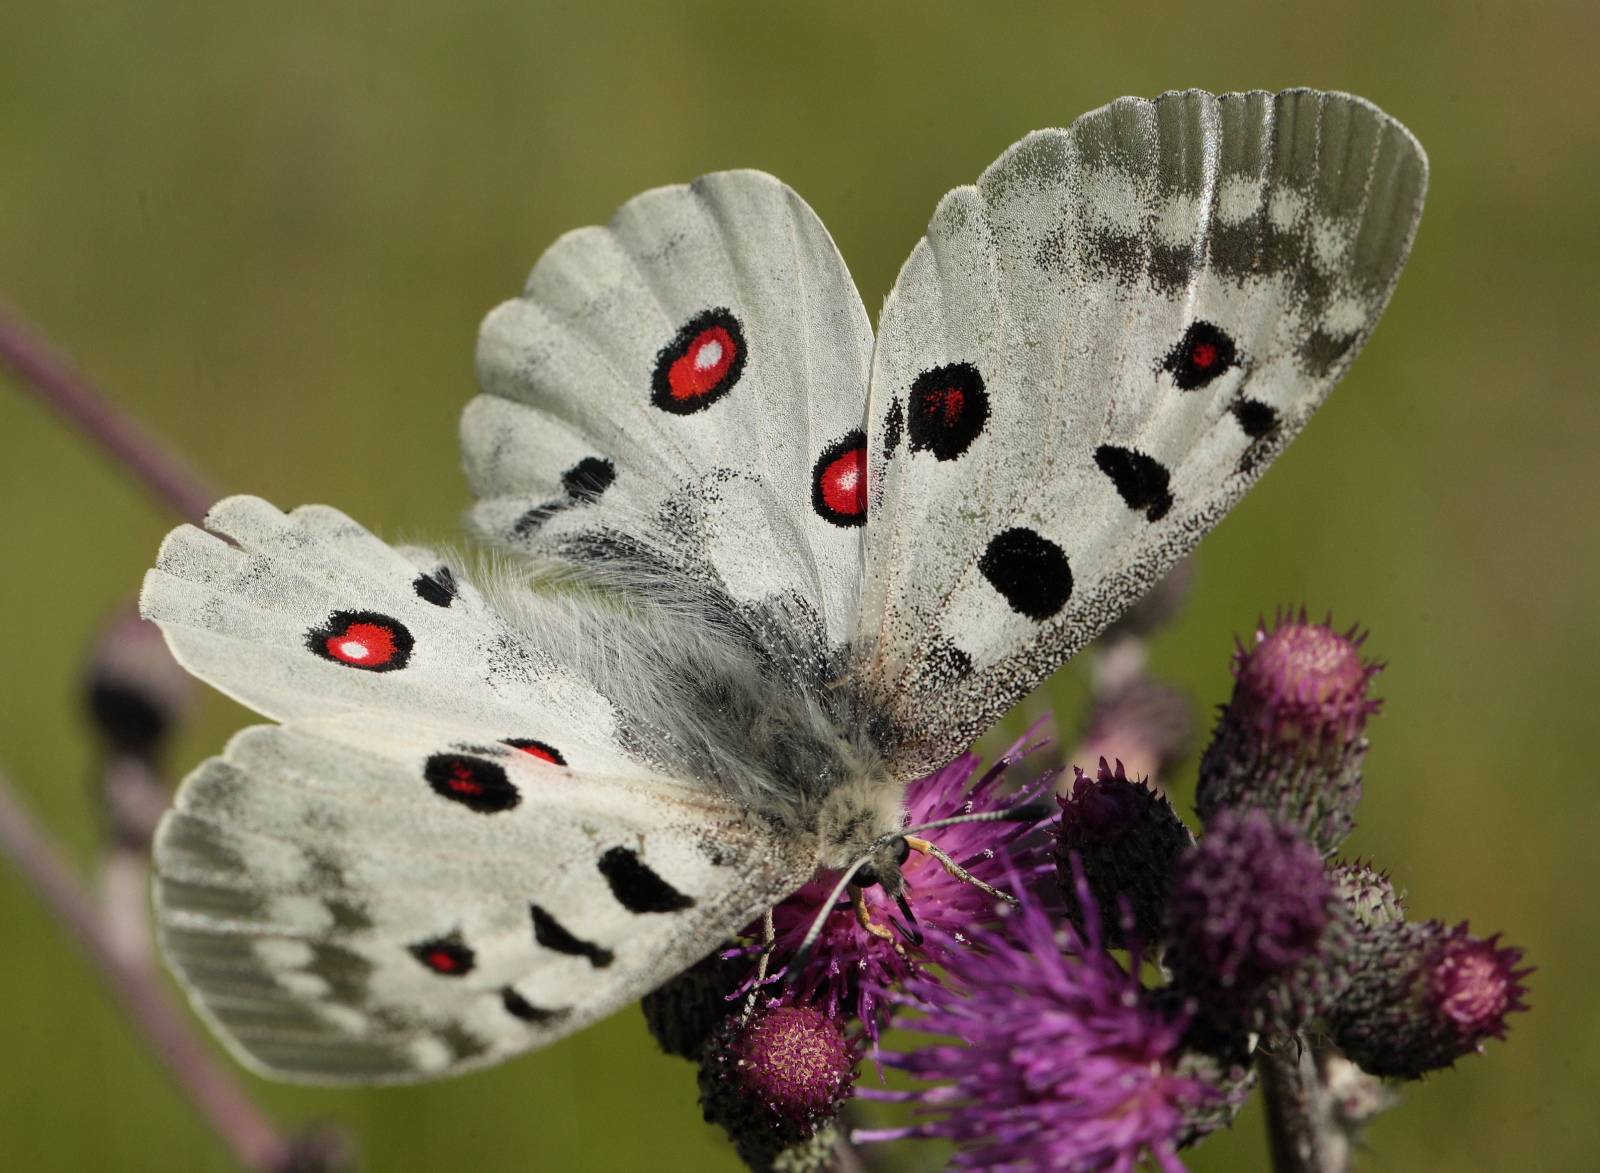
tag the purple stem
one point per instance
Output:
(255, 1142)
(61, 386)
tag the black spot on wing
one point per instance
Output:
(1029, 570)
(588, 479)
(894, 424)
(1142, 481)
(636, 885)
(552, 934)
(1256, 419)
(438, 588)
(1320, 352)
(519, 1007)
(584, 482)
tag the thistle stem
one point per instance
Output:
(1301, 1133)
(254, 1141)
(56, 382)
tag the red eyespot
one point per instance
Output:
(1203, 353)
(537, 749)
(839, 481)
(701, 363)
(446, 956)
(362, 639)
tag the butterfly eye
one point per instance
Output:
(362, 639)
(1203, 353)
(701, 363)
(866, 876)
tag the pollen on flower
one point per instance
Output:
(773, 1080)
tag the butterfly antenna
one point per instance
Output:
(802, 955)
(955, 869)
(1027, 812)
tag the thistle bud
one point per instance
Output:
(1129, 839)
(135, 691)
(684, 1012)
(1253, 922)
(1424, 995)
(774, 1081)
(1368, 894)
(1290, 739)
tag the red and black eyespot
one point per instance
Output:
(438, 588)
(362, 639)
(839, 481)
(476, 783)
(447, 956)
(535, 748)
(701, 363)
(947, 409)
(1203, 353)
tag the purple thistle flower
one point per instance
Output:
(1290, 739)
(1253, 914)
(1424, 995)
(1064, 1062)
(852, 971)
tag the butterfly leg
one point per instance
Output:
(925, 847)
(769, 944)
(864, 919)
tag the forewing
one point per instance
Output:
(1086, 361)
(307, 614)
(361, 899)
(685, 385)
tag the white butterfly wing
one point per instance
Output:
(688, 385)
(456, 849)
(1090, 356)
(364, 899)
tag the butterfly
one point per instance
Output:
(759, 567)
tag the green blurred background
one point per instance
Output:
(272, 229)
